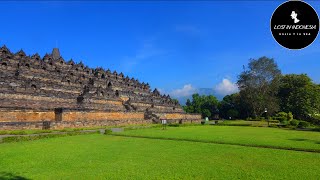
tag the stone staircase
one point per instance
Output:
(150, 115)
(129, 107)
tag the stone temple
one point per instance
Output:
(51, 93)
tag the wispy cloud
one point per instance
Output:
(226, 87)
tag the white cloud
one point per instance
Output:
(187, 90)
(226, 87)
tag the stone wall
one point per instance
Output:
(26, 116)
(50, 92)
(29, 119)
(68, 124)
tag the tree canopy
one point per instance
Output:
(207, 106)
(263, 87)
(299, 95)
(259, 85)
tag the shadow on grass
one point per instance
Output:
(301, 139)
(221, 142)
(10, 176)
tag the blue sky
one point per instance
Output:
(176, 47)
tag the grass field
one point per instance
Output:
(257, 136)
(99, 156)
(244, 123)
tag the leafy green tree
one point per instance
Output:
(233, 113)
(299, 95)
(206, 113)
(259, 86)
(207, 106)
(230, 106)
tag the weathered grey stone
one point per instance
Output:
(34, 89)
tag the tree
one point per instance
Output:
(299, 95)
(230, 106)
(207, 106)
(259, 86)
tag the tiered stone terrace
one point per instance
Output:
(49, 92)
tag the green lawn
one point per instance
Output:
(257, 136)
(244, 123)
(111, 157)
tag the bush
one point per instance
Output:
(273, 125)
(18, 132)
(41, 136)
(281, 116)
(316, 129)
(4, 132)
(294, 122)
(255, 119)
(108, 131)
(289, 116)
(303, 124)
(274, 121)
(315, 119)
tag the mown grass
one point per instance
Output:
(255, 136)
(243, 123)
(40, 131)
(110, 157)
(42, 136)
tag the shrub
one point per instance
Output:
(4, 132)
(303, 124)
(18, 132)
(281, 116)
(254, 119)
(289, 116)
(316, 129)
(294, 122)
(223, 124)
(108, 131)
(41, 136)
(274, 121)
(315, 119)
(273, 125)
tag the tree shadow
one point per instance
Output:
(302, 139)
(10, 176)
(299, 139)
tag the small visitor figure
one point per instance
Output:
(294, 17)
